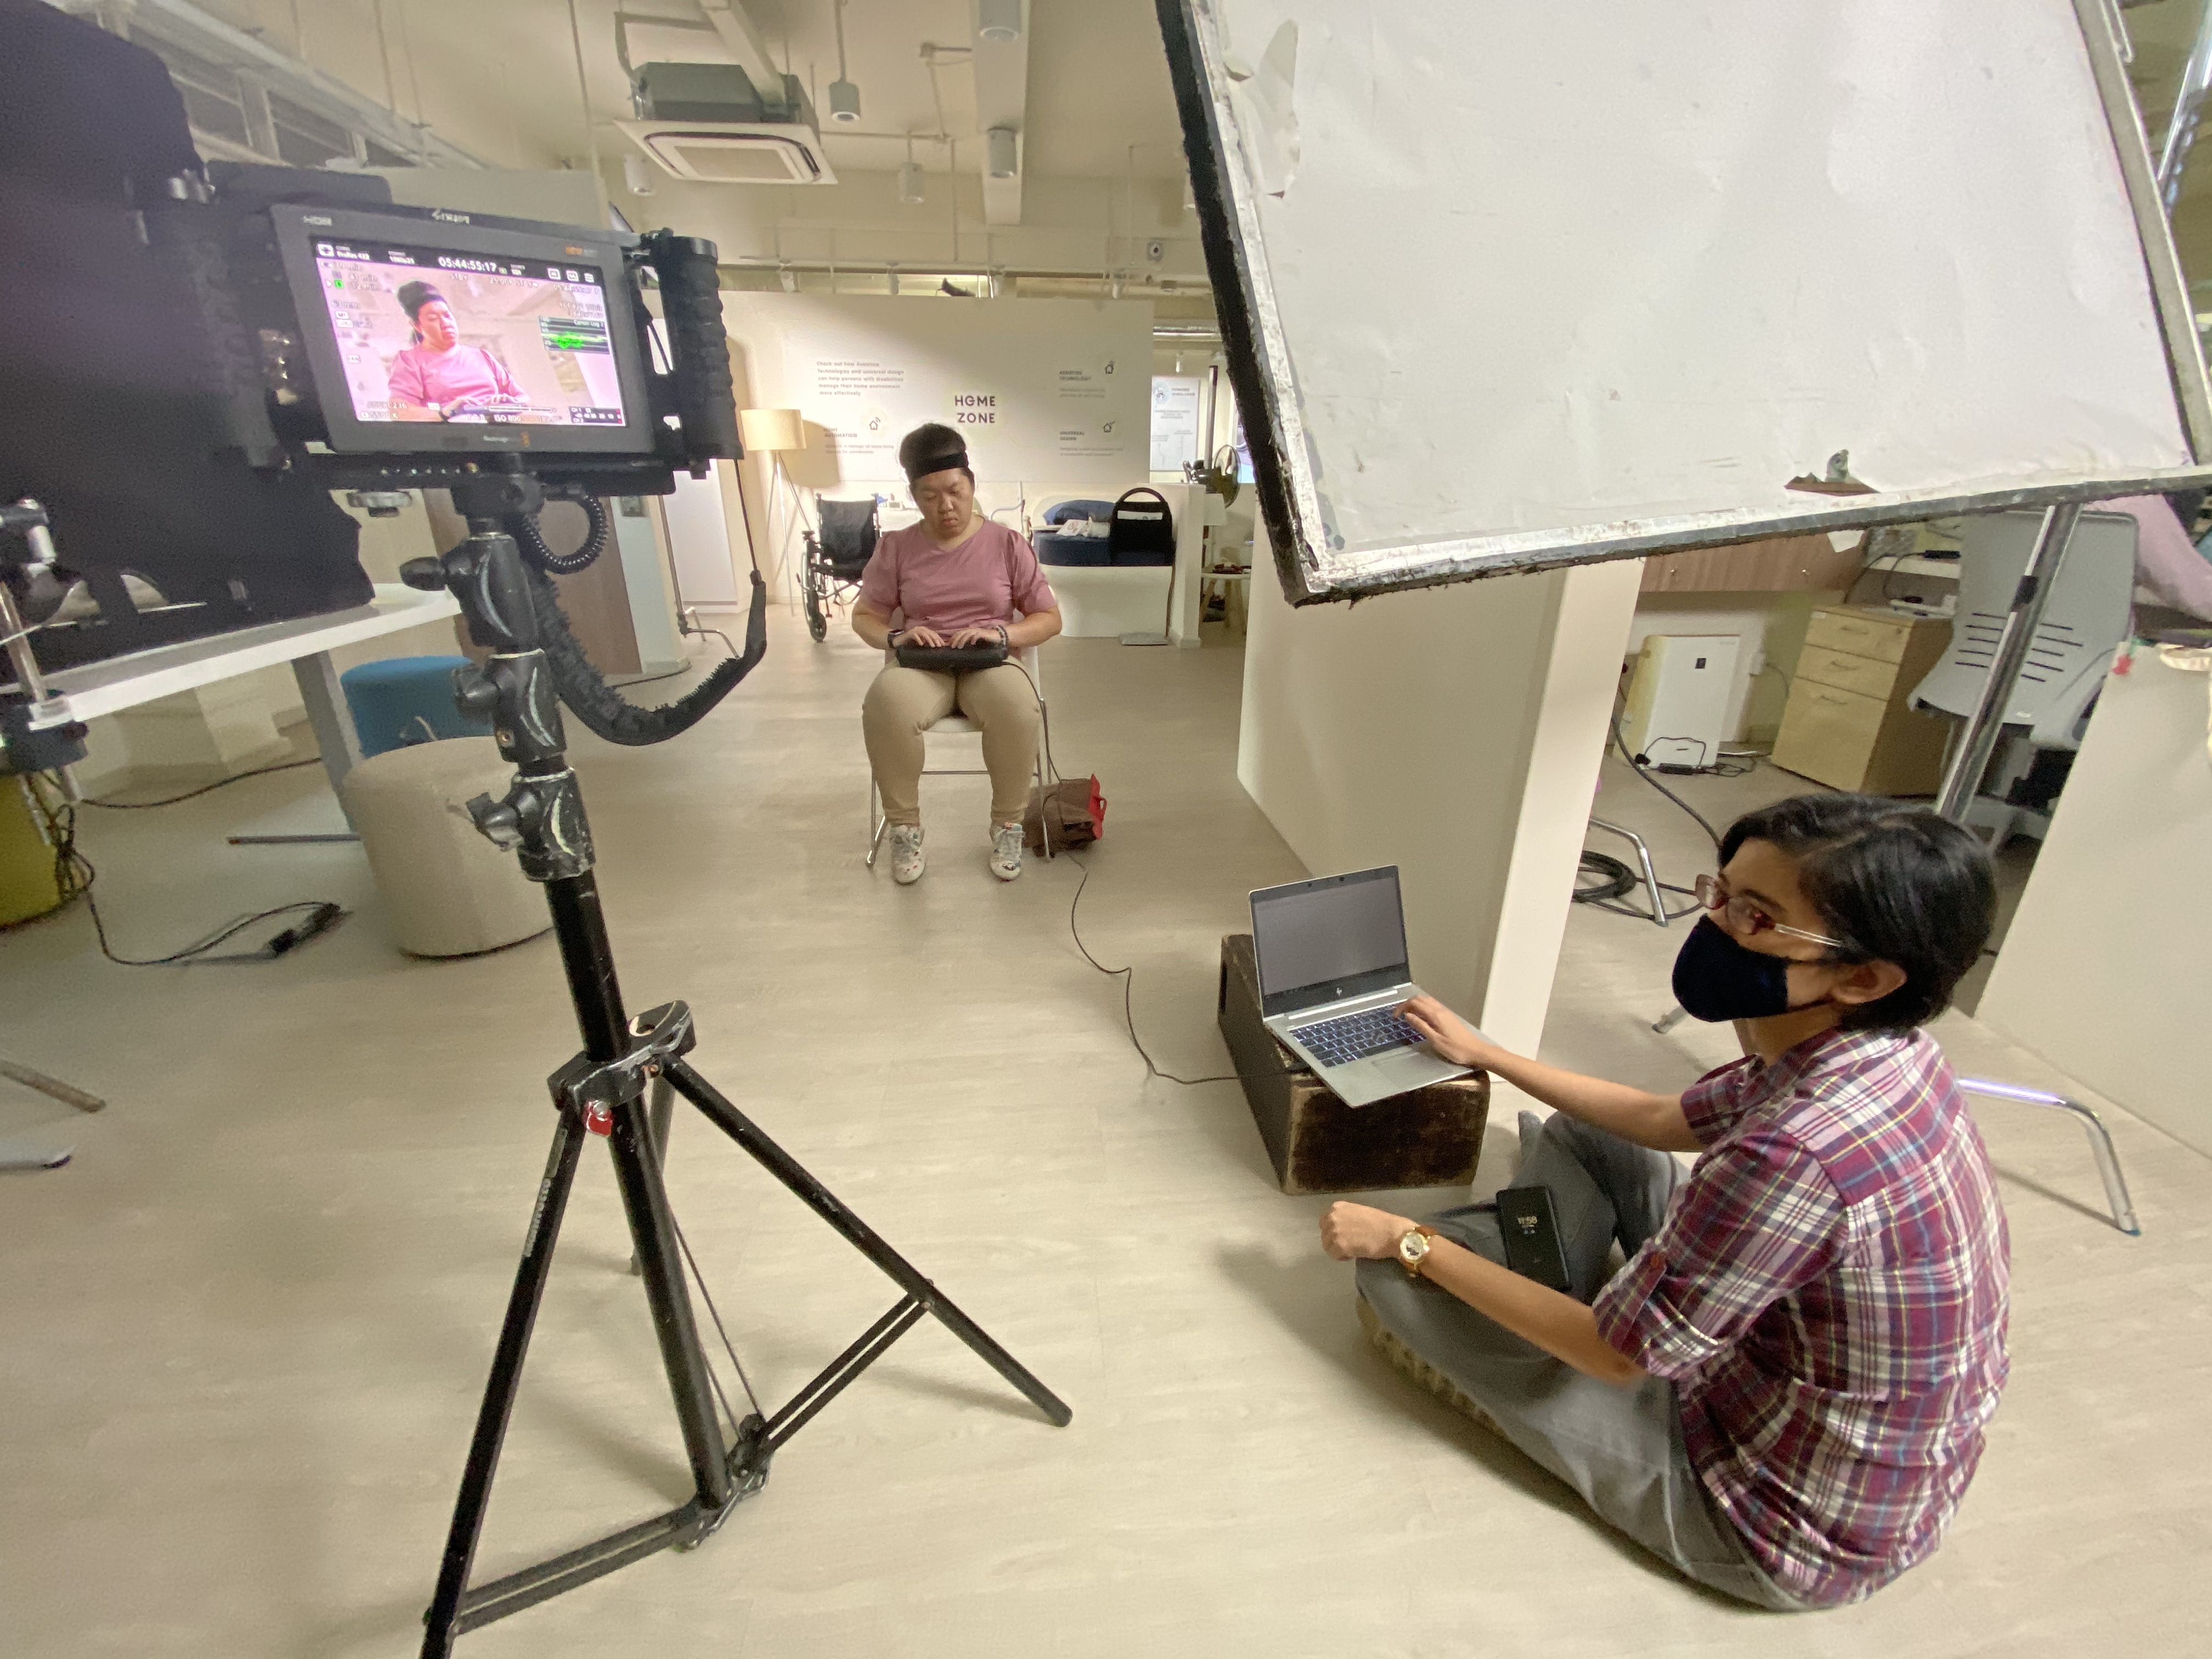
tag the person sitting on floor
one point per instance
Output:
(1784, 1391)
(956, 578)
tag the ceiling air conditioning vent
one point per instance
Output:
(733, 154)
(705, 122)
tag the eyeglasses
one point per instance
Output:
(1747, 917)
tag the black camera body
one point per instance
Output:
(303, 358)
(181, 403)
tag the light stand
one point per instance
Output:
(604, 1091)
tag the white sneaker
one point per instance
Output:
(1005, 851)
(906, 854)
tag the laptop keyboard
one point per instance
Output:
(1355, 1037)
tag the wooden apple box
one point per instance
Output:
(1430, 1138)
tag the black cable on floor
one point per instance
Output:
(75, 873)
(1128, 978)
(207, 788)
(1614, 879)
(1127, 974)
(1621, 744)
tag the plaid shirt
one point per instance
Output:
(1828, 1293)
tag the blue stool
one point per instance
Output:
(406, 700)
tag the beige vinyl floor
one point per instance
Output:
(243, 1334)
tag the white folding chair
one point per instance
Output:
(957, 725)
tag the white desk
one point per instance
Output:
(306, 642)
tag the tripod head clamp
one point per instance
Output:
(541, 818)
(656, 1038)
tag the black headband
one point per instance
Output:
(943, 463)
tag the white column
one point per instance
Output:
(1454, 732)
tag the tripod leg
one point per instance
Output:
(660, 1111)
(653, 1234)
(863, 1238)
(530, 1279)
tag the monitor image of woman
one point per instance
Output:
(438, 378)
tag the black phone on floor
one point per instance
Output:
(1531, 1231)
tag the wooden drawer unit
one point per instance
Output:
(1870, 677)
(1847, 725)
(1860, 631)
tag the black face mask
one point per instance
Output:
(1716, 978)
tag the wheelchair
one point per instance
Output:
(831, 573)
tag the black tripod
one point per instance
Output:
(604, 1089)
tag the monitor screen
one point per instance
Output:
(431, 331)
(1338, 936)
(431, 334)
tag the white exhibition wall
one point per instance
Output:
(1053, 395)
(1456, 733)
(2103, 971)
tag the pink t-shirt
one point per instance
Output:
(422, 376)
(987, 578)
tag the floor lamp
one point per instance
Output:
(771, 432)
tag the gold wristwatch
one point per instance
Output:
(1413, 1246)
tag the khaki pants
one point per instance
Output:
(904, 701)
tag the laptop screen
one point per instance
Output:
(1341, 936)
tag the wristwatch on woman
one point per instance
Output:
(1004, 643)
(1413, 1246)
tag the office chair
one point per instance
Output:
(2087, 617)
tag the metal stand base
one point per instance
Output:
(53, 1088)
(2100, 1138)
(1643, 857)
(2100, 1141)
(730, 1471)
(20, 1152)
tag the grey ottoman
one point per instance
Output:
(449, 892)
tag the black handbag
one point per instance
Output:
(1142, 531)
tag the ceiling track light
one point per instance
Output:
(998, 21)
(788, 278)
(1001, 158)
(844, 96)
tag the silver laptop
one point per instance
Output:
(1332, 960)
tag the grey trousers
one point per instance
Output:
(1620, 1449)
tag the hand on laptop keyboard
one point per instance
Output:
(1356, 1037)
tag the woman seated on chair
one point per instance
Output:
(957, 579)
(1783, 1391)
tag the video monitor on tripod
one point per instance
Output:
(427, 337)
